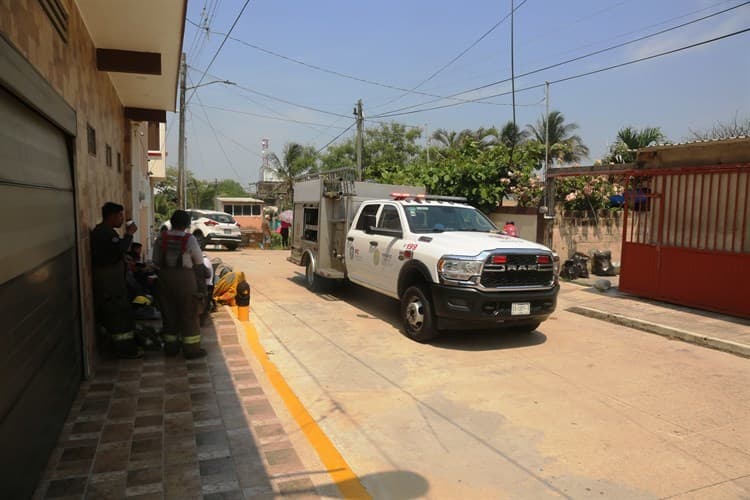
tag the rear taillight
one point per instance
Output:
(543, 259)
(238, 224)
(212, 223)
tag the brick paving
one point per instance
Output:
(169, 428)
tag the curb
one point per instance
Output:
(665, 331)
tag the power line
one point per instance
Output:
(290, 120)
(331, 71)
(279, 99)
(456, 58)
(574, 59)
(337, 137)
(580, 75)
(218, 142)
(236, 20)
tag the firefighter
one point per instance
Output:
(179, 257)
(111, 302)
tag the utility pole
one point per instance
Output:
(549, 183)
(512, 62)
(360, 126)
(181, 147)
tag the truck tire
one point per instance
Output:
(417, 315)
(313, 282)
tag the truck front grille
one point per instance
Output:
(506, 275)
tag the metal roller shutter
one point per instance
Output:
(40, 339)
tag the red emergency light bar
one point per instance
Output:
(543, 259)
(499, 259)
(407, 196)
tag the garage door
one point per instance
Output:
(40, 351)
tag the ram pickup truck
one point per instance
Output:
(445, 261)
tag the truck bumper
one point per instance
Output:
(469, 309)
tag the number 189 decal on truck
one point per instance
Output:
(445, 261)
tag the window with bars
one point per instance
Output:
(91, 139)
(108, 155)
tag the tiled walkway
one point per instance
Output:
(169, 428)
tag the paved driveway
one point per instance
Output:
(579, 409)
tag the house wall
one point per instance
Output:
(71, 70)
(585, 234)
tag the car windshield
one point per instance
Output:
(440, 218)
(222, 218)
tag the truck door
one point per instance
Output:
(385, 253)
(358, 253)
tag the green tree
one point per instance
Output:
(296, 160)
(511, 135)
(165, 195)
(564, 145)
(629, 140)
(386, 148)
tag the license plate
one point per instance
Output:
(227, 231)
(520, 308)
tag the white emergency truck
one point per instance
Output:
(445, 261)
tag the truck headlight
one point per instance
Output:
(459, 269)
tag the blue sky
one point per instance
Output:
(401, 43)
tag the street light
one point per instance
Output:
(181, 177)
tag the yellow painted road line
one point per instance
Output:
(343, 476)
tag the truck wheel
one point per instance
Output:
(313, 282)
(417, 315)
(201, 239)
(231, 246)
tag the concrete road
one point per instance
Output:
(579, 409)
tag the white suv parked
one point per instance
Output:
(212, 228)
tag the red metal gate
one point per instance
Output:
(686, 237)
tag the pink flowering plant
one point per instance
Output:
(586, 193)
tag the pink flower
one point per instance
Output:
(570, 197)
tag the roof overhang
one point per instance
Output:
(139, 43)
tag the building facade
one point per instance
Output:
(79, 83)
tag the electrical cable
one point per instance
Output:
(336, 138)
(216, 54)
(290, 120)
(279, 99)
(333, 72)
(580, 75)
(574, 59)
(456, 58)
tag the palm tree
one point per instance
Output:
(564, 145)
(296, 160)
(451, 140)
(511, 135)
(631, 139)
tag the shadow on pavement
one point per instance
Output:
(486, 340)
(399, 484)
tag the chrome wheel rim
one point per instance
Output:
(309, 274)
(415, 314)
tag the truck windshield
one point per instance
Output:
(440, 218)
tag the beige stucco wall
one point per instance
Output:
(71, 70)
(585, 234)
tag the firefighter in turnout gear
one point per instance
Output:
(111, 302)
(179, 257)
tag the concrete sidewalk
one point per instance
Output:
(717, 331)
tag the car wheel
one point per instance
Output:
(231, 247)
(201, 239)
(417, 315)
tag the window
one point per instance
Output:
(221, 218)
(119, 162)
(229, 209)
(91, 137)
(367, 217)
(389, 218)
(310, 228)
(153, 136)
(108, 155)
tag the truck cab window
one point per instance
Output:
(367, 216)
(389, 218)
